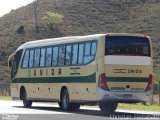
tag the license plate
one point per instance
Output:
(127, 95)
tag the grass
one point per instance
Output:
(140, 107)
(5, 98)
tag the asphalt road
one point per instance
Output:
(13, 110)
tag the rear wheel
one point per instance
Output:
(65, 103)
(109, 107)
(26, 102)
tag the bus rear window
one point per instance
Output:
(127, 45)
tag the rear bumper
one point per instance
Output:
(123, 97)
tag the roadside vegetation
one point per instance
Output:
(5, 98)
(139, 107)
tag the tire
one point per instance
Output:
(75, 107)
(65, 104)
(109, 107)
(26, 103)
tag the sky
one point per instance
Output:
(7, 5)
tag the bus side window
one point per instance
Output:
(36, 57)
(68, 55)
(74, 54)
(18, 58)
(25, 59)
(61, 55)
(90, 51)
(48, 56)
(31, 55)
(93, 48)
(87, 48)
(55, 56)
(87, 53)
(16, 62)
(80, 53)
(42, 58)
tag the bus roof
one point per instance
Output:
(54, 41)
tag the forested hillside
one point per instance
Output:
(81, 17)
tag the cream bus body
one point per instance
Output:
(96, 76)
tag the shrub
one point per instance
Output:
(20, 29)
(53, 19)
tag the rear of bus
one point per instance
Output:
(127, 76)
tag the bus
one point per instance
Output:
(100, 69)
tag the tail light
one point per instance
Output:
(149, 86)
(102, 82)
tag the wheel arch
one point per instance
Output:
(62, 89)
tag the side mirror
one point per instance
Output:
(10, 60)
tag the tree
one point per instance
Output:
(35, 5)
(53, 19)
(20, 29)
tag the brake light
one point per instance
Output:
(149, 86)
(146, 36)
(102, 82)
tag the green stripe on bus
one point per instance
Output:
(127, 79)
(76, 79)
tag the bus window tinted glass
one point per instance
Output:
(55, 56)
(93, 48)
(90, 50)
(48, 56)
(25, 59)
(87, 48)
(74, 54)
(36, 57)
(87, 59)
(31, 58)
(127, 45)
(42, 58)
(68, 55)
(61, 55)
(81, 51)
